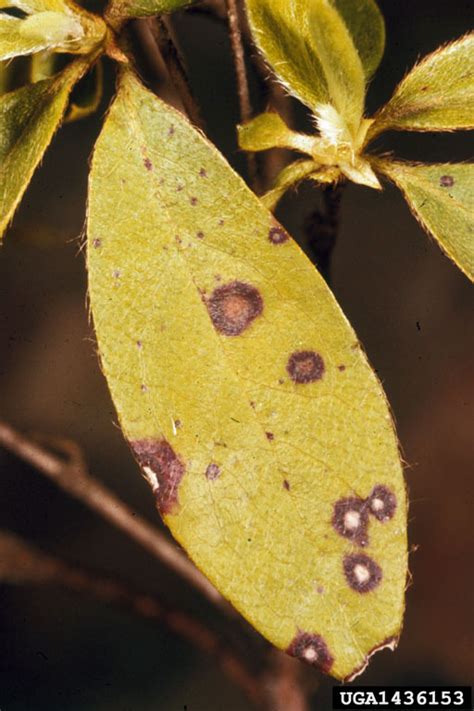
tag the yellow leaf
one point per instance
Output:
(57, 25)
(28, 119)
(243, 392)
(437, 95)
(441, 197)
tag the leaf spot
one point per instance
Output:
(232, 307)
(446, 181)
(147, 163)
(362, 573)
(305, 366)
(97, 243)
(193, 200)
(200, 235)
(203, 173)
(311, 648)
(270, 436)
(382, 503)
(341, 368)
(116, 273)
(171, 131)
(286, 484)
(277, 235)
(144, 388)
(163, 469)
(212, 471)
(350, 519)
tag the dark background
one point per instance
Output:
(412, 310)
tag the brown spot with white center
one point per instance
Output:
(213, 471)
(446, 181)
(147, 163)
(203, 173)
(382, 503)
(97, 243)
(311, 648)
(362, 573)
(277, 235)
(270, 436)
(232, 307)
(193, 200)
(163, 469)
(351, 518)
(305, 367)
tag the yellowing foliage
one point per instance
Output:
(243, 392)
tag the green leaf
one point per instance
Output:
(268, 130)
(46, 26)
(437, 95)
(441, 198)
(285, 32)
(118, 11)
(367, 27)
(340, 61)
(289, 177)
(28, 119)
(243, 392)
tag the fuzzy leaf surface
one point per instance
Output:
(284, 32)
(441, 198)
(243, 392)
(28, 119)
(48, 25)
(340, 61)
(436, 95)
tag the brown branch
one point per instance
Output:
(162, 34)
(321, 228)
(284, 688)
(72, 477)
(242, 83)
(23, 564)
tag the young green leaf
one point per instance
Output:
(284, 31)
(441, 197)
(28, 119)
(367, 27)
(55, 26)
(437, 95)
(268, 130)
(279, 28)
(340, 62)
(243, 392)
(289, 177)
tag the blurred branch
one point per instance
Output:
(245, 105)
(71, 476)
(284, 688)
(162, 33)
(22, 564)
(321, 227)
